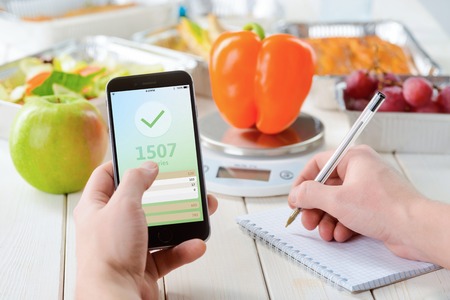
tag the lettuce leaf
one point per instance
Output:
(73, 82)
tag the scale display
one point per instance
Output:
(248, 163)
(240, 173)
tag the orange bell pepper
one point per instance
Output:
(260, 81)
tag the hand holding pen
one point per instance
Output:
(354, 132)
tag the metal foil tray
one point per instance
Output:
(170, 39)
(105, 50)
(389, 31)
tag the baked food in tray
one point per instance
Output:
(341, 55)
(343, 47)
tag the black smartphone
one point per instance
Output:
(153, 117)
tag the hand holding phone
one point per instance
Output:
(153, 117)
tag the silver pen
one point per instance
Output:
(354, 132)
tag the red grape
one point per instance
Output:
(361, 85)
(390, 79)
(444, 99)
(414, 94)
(394, 99)
(417, 91)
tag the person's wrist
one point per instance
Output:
(414, 228)
(429, 236)
(109, 281)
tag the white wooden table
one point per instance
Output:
(37, 251)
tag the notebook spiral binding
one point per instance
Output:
(307, 263)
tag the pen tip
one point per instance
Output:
(288, 223)
(293, 216)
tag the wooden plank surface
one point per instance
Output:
(434, 285)
(430, 174)
(32, 223)
(71, 267)
(32, 232)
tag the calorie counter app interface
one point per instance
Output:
(156, 124)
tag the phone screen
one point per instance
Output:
(157, 124)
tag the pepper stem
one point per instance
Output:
(256, 28)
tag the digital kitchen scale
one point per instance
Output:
(248, 163)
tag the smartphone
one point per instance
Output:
(153, 117)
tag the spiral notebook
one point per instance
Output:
(356, 265)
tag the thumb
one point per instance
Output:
(169, 259)
(135, 182)
(312, 194)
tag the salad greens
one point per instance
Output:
(73, 82)
(65, 75)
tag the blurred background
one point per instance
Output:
(28, 26)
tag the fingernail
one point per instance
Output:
(149, 165)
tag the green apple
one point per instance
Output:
(57, 141)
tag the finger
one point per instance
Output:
(212, 204)
(169, 259)
(342, 233)
(313, 167)
(135, 182)
(100, 185)
(311, 218)
(294, 196)
(355, 155)
(326, 227)
(309, 172)
(312, 194)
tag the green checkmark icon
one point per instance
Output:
(154, 121)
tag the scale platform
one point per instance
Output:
(248, 163)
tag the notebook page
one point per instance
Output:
(359, 264)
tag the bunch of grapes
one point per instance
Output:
(414, 94)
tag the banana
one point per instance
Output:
(198, 39)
